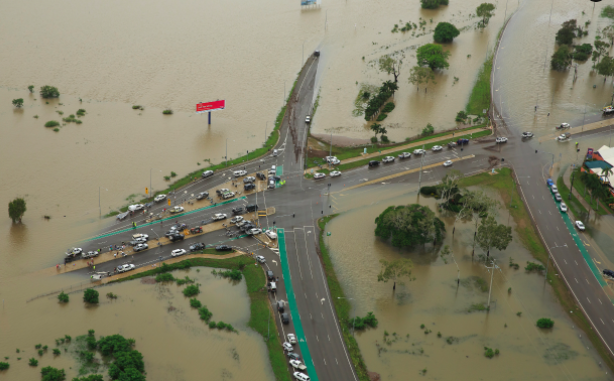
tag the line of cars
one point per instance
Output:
(418, 152)
(557, 196)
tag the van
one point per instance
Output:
(251, 208)
(373, 163)
(275, 152)
(285, 318)
(281, 305)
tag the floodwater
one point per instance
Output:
(434, 299)
(175, 343)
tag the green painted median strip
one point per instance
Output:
(279, 170)
(165, 219)
(298, 326)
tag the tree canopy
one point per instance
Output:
(485, 11)
(390, 65)
(433, 56)
(445, 32)
(606, 66)
(409, 225)
(394, 270)
(17, 208)
(433, 4)
(421, 75)
(49, 92)
(90, 296)
(49, 373)
(582, 52)
(561, 59)
(493, 235)
(18, 102)
(567, 33)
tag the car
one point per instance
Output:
(140, 240)
(452, 144)
(219, 216)
(135, 236)
(563, 125)
(287, 346)
(135, 207)
(329, 158)
(462, 142)
(335, 161)
(419, 151)
(271, 184)
(527, 134)
(275, 153)
(436, 148)
(549, 182)
(196, 230)
(335, 174)
(271, 172)
(501, 139)
(388, 159)
(271, 234)
(177, 227)
(249, 179)
(124, 268)
(241, 223)
(404, 155)
(308, 119)
(228, 195)
(197, 246)
(301, 376)
(319, 175)
(563, 137)
(270, 275)
(260, 176)
(557, 196)
(176, 237)
(297, 365)
(291, 338)
(580, 225)
(249, 186)
(207, 173)
(554, 189)
(90, 254)
(238, 210)
(251, 207)
(285, 318)
(177, 252)
(236, 219)
(160, 197)
(240, 173)
(133, 243)
(221, 191)
(176, 209)
(260, 259)
(373, 163)
(563, 207)
(447, 163)
(223, 248)
(255, 231)
(293, 355)
(249, 226)
(202, 195)
(608, 273)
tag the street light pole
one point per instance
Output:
(331, 148)
(150, 191)
(99, 208)
(265, 129)
(491, 276)
(573, 174)
(584, 118)
(226, 157)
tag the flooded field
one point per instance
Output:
(430, 320)
(175, 343)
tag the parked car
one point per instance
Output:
(176, 209)
(240, 173)
(564, 137)
(223, 248)
(89, 254)
(527, 134)
(251, 208)
(249, 186)
(335, 161)
(140, 240)
(197, 246)
(271, 234)
(297, 365)
(447, 163)
(308, 119)
(236, 219)
(373, 163)
(557, 196)
(388, 159)
(580, 225)
(207, 173)
(563, 207)
(293, 355)
(196, 230)
(177, 252)
(249, 179)
(178, 227)
(404, 155)
(260, 259)
(221, 191)
(287, 346)
(140, 246)
(270, 275)
(462, 142)
(419, 151)
(285, 318)
(501, 139)
(563, 125)
(228, 195)
(319, 175)
(436, 148)
(554, 189)
(219, 216)
(176, 237)
(271, 184)
(124, 268)
(335, 174)
(202, 195)
(139, 235)
(241, 223)
(291, 338)
(135, 207)
(281, 305)
(160, 197)
(254, 231)
(452, 144)
(238, 210)
(260, 176)
(301, 376)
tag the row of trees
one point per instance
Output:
(375, 102)
(595, 186)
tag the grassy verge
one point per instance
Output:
(259, 306)
(581, 188)
(479, 99)
(342, 305)
(529, 237)
(574, 204)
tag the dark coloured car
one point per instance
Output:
(238, 210)
(260, 176)
(252, 208)
(149, 205)
(249, 186)
(285, 318)
(179, 227)
(176, 237)
(196, 230)
(197, 246)
(373, 163)
(223, 248)
(270, 275)
(609, 273)
(462, 142)
(202, 195)
(293, 356)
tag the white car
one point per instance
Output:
(501, 139)
(557, 196)
(219, 216)
(260, 259)
(335, 174)
(554, 189)
(404, 155)
(319, 175)
(271, 234)
(140, 240)
(176, 209)
(140, 246)
(335, 161)
(301, 376)
(447, 163)
(563, 207)
(580, 225)
(241, 223)
(255, 231)
(329, 158)
(240, 173)
(436, 148)
(527, 134)
(419, 151)
(75, 251)
(388, 159)
(291, 338)
(563, 137)
(177, 252)
(563, 125)
(124, 268)
(135, 207)
(308, 119)
(136, 236)
(288, 347)
(236, 219)
(298, 365)
(160, 197)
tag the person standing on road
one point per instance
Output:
(115, 255)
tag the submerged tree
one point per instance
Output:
(394, 270)
(561, 59)
(445, 32)
(17, 208)
(49, 92)
(390, 65)
(433, 56)
(421, 75)
(476, 206)
(409, 225)
(493, 235)
(485, 11)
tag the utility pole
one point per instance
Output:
(331, 148)
(573, 173)
(584, 119)
(99, 208)
(420, 175)
(494, 266)
(265, 129)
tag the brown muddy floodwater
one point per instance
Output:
(175, 343)
(433, 299)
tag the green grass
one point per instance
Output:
(259, 306)
(586, 195)
(574, 204)
(342, 305)
(479, 99)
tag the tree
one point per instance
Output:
(110, 345)
(31, 88)
(608, 32)
(565, 36)
(390, 86)
(601, 48)
(49, 92)
(63, 298)
(449, 183)
(376, 128)
(17, 208)
(561, 59)
(390, 66)
(394, 270)
(476, 206)
(421, 75)
(409, 225)
(52, 374)
(18, 102)
(90, 296)
(433, 4)
(493, 235)
(545, 323)
(582, 52)
(433, 56)
(605, 67)
(428, 130)
(445, 32)
(91, 377)
(485, 11)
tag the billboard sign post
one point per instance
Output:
(210, 106)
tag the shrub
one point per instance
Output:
(18, 102)
(545, 323)
(204, 313)
(488, 352)
(167, 178)
(52, 374)
(534, 267)
(445, 32)
(31, 88)
(90, 296)
(461, 116)
(388, 107)
(195, 303)
(80, 112)
(582, 52)
(68, 338)
(382, 116)
(56, 129)
(433, 4)
(173, 174)
(384, 139)
(56, 351)
(366, 95)
(63, 297)
(221, 325)
(49, 92)
(561, 59)
(52, 123)
(40, 352)
(111, 295)
(233, 274)
(181, 282)
(4, 365)
(373, 139)
(167, 112)
(87, 356)
(33, 362)
(38, 346)
(428, 130)
(212, 324)
(362, 323)
(165, 277)
(137, 107)
(191, 290)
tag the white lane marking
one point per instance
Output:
(533, 197)
(540, 212)
(600, 301)
(336, 361)
(324, 361)
(602, 321)
(586, 281)
(557, 228)
(328, 337)
(565, 261)
(305, 295)
(317, 338)
(549, 213)
(322, 315)
(576, 262)
(588, 299)
(576, 280)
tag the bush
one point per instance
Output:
(63, 297)
(582, 52)
(52, 374)
(33, 362)
(111, 295)
(167, 112)
(137, 107)
(358, 323)
(233, 274)
(428, 130)
(181, 282)
(191, 290)
(221, 325)
(18, 102)
(561, 59)
(173, 174)
(90, 296)
(488, 352)
(80, 112)
(49, 92)
(534, 267)
(433, 4)
(545, 323)
(212, 324)
(430, 191)
(195, 303)
(384, 139)
(388, 107)
(204, 313)
(31, 88)
(56, 351)
(445, 32)
(382, 116)
(38, 346)
(52, 123)
(4, 365)
(461, 116)
(165, 277)
(373, 139)
(366, 95)
(56, 129)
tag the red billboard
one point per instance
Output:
(210, 106)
